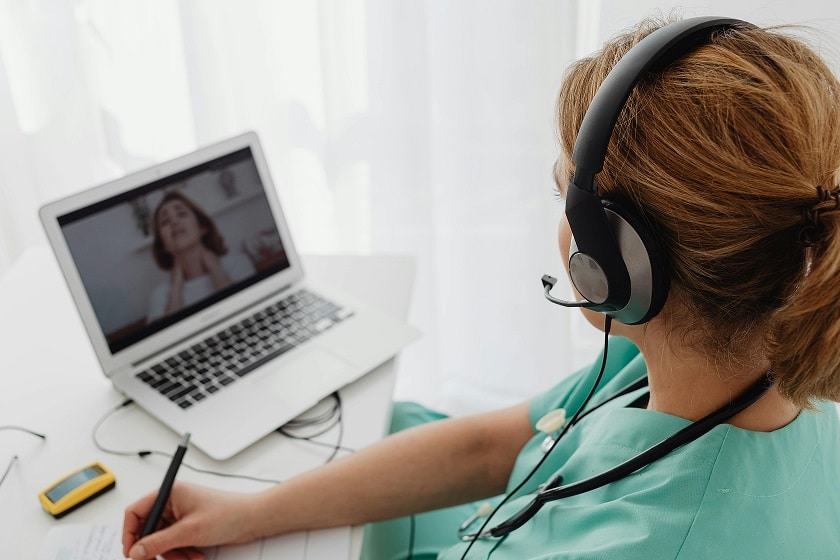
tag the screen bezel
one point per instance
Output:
(112, 362)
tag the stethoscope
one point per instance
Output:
(549, 424)
(553, 489)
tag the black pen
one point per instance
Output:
(165, 488)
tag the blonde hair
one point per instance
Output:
(725, 154)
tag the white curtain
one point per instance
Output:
(411, 127)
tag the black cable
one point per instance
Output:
(321, 443)
(146, 452)
(321, 418)
(8, 468)
(499, 542)
(410, 537)
(22, 429)
(688, 434)
(101, 421)
(329, 419)
(214, 473)
(553, 489)
(333, 413)
(15, 457)
(340, 438)
(318, 420)
(607, 325)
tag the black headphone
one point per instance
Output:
(615, 261)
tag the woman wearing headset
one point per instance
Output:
(731, 157)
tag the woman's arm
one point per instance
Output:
(432, 466)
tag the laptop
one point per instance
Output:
(193, 296)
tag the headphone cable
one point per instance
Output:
(146, 452)
(607, 325)
(15, 458)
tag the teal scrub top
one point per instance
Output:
(731, 494)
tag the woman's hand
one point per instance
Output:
(176, 288)
(469, 458)
(193, 517)
(213, 265)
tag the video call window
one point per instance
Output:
(159, 253)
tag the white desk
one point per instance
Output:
(50, 382)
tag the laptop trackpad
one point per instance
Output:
(306, 378)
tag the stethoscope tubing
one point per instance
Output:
(551, 491)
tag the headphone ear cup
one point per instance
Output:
(643, 256)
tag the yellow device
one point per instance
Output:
(76, 489)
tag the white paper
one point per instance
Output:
(85, 541)
(82, 541)
(331, 544)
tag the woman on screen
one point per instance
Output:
(189, 246)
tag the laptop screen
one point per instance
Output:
(154, 255)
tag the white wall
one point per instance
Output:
(594, 23)
(822, 15)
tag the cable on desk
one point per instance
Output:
(8, 468)
(102, 421)
(332, 417)
(323, 422)
(22, 429)
(146, 452)
(15, 457)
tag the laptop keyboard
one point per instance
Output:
(214, 363)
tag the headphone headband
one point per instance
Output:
(605, 265)
(653, 53)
